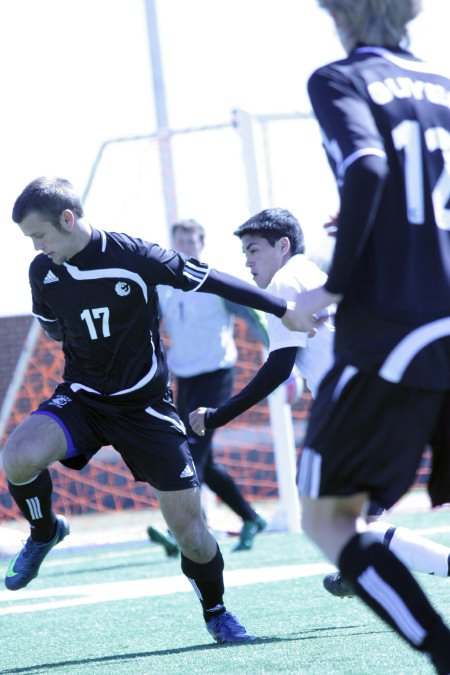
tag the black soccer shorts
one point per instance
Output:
(367, 435)
(151, 439)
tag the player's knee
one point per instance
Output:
(190, 532)
(15, 465)
(20, 460)
(189, 529)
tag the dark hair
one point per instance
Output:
(49, 197)
(272, 224)
(189, 225)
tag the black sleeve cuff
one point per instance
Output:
(208, 419)
(272, 373)
(52, 329)
(240, 291)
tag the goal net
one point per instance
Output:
(241, 167)
(244, 447)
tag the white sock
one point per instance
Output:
(417, 553)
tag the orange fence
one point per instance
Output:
(244, 446)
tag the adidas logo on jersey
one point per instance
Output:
(50, 278)
(187, 472)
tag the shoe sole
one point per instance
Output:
(233, 642)
(222, 641)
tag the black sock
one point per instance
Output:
(207, 582)
(220, 482)
(35, 502)
(387, 586)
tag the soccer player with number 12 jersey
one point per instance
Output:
(385, 120)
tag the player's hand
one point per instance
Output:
(197, 421)
(309, 311)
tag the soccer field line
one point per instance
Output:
(91, 594)
(67, 556)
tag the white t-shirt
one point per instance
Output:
(315, 357)
(200, 330)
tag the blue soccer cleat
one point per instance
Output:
(226, 629)
(25, 566)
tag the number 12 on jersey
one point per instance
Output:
(407, 137)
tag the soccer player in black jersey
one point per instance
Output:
(96, 292)
(385, 120)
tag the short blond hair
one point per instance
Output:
(373, 22)
(189, 225)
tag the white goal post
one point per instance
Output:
(287, 516)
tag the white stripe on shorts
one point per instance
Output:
(309, 473)
(346, 376)
(178, 425)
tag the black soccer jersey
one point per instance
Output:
(105, 301)
(395, 272)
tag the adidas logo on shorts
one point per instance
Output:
(187, 472)
(50, 278)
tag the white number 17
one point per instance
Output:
(89, 316)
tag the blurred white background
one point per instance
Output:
(77, 73)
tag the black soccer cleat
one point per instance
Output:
(336, 585)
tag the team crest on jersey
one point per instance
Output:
(60, 401)
(122, 288)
